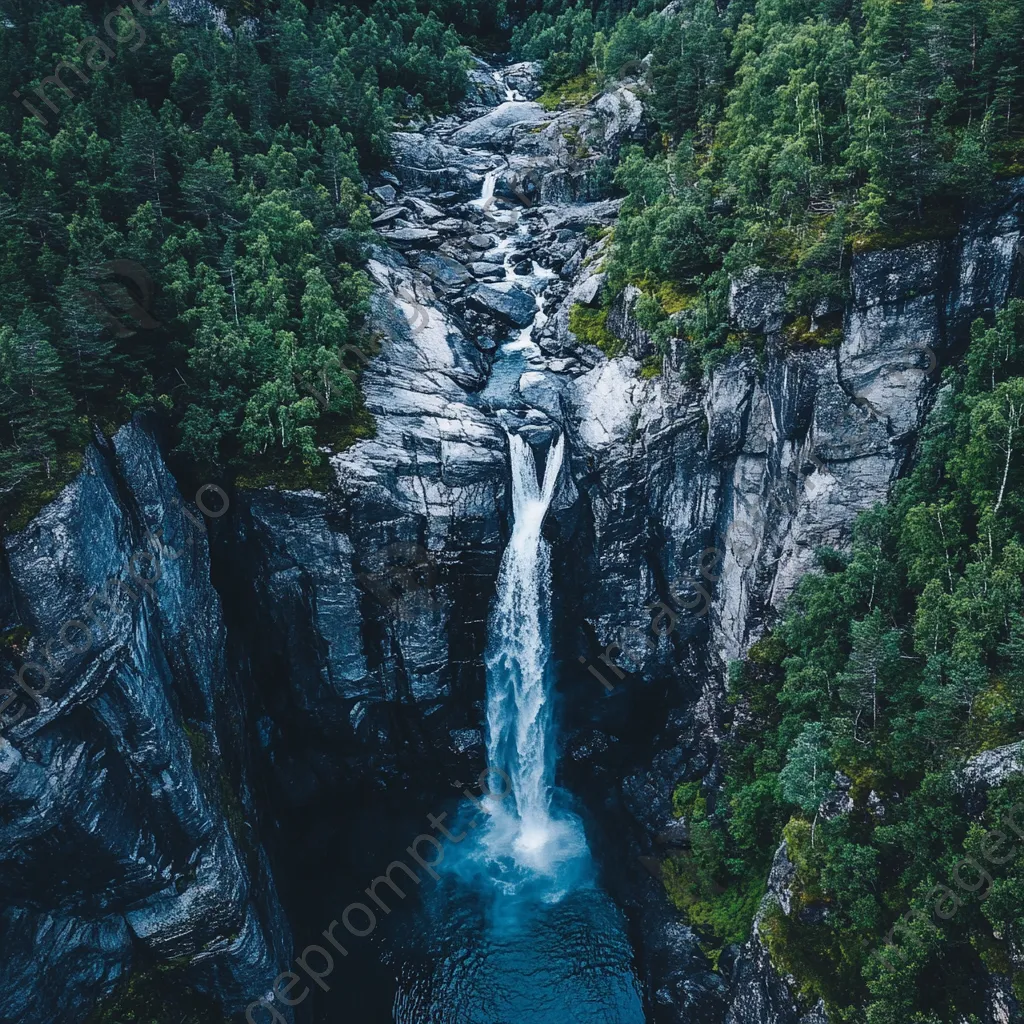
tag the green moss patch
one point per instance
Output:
(591, 328)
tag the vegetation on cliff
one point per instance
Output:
(891, 666)
(184, 219)
(790, 132)
(184, 208)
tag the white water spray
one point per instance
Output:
(511, 95)
(519, 705)
(486, 199)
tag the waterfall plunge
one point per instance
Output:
(519, 705)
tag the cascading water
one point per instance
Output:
(486, 199)
(519, 705)
(519, 930)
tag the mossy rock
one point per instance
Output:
(35, 493)
(158, 994)
(574, 93)
(800, 334)
(591, 328)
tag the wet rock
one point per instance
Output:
(683, 986)
(81, 962)
(480, 241)
(412, 238)
(757, 993)
(675, 833)
(524, 78)
(483, 89)
(426, 161)
(498, 128)
(442, 269)
(487, 271)
(513, 305)
(543, 392)
(465, 740)
(587, 746)
(562, 365)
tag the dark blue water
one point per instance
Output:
(498, 958)
(484, 943)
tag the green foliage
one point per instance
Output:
(807, 775)
(572, 93)
(801, 332)
(790, 132)
(684, 797)
(892, 665)
(723, 914)
(590, 327)
(185, 231)
(158, 995)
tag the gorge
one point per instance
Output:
(210, 783)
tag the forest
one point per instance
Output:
(217, 175)
(184, 229)
(892, 665)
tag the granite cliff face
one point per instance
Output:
(341, 649)
(127, 831)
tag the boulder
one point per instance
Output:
(513, 306)
(497, 128)
(448, 226)
(993, 767)
(412, 238)
(524, 78)
(488, 271)
(428, 212)
(543, 391)
(390, 214)
(441, 269)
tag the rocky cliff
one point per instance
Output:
(127, 833)
(342, 647)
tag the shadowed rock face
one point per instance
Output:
(342, 650)
(123, 792)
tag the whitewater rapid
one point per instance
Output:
(520, 722)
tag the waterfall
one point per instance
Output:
(486, 199)
(511, 95)
(519, 677)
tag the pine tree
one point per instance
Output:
(34, 401)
